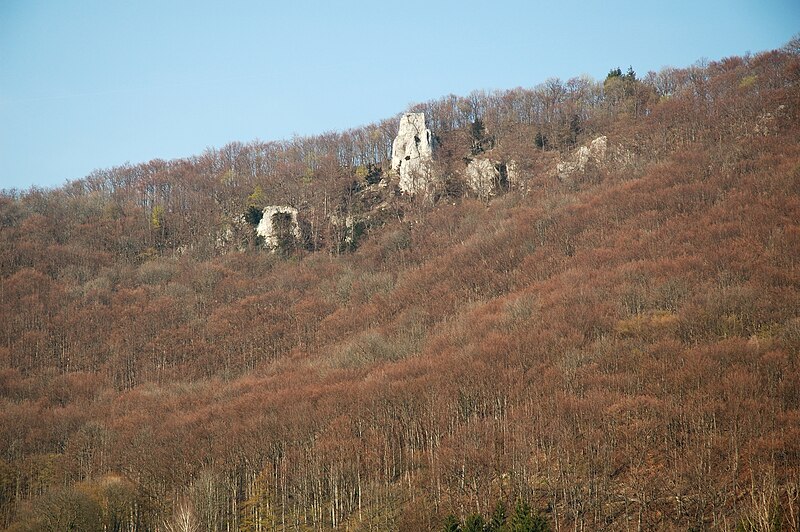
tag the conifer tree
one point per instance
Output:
(474, 523)
(498, 519)
(451, 524)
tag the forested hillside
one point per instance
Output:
(617, 349)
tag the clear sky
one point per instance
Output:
(89, 84)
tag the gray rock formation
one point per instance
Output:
(482, 175)
(486, 177)
(412, 151)
(595, 152)
(278, 218)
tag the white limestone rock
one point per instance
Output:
(267, 228)
(486, 177)
(595, 152)
(598, 148)
(482, 175)
(412, 151)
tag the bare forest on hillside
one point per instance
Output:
(617, 351)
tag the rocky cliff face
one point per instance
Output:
(595, 152)
(488, 177)
(412, 151)
(277, 223)
(481, 176)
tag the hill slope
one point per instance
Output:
(616, 349)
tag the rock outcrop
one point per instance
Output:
(482, 176)
(277, 224)
(486, 177)
(412, 151)
(594, 153)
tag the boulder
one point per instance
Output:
(412, 151)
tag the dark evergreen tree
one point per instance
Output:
(524, 520)
(474, 523)
(497, 521)
(253, 215)
(451, 524)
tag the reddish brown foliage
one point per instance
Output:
(624, 348)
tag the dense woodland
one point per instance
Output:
(617, 351)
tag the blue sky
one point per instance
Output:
(97, 83)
